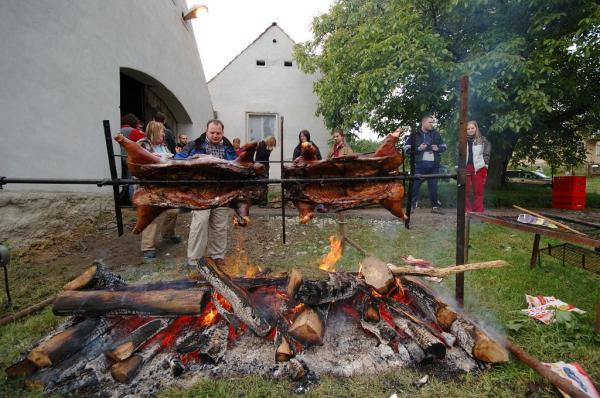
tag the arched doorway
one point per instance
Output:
(143, 95)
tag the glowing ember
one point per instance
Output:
(222, 301)
(296, 308)
(335, 253)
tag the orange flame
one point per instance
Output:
(297, 308)
(335, 253)
(210, 317)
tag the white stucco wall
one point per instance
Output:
(59, 78)
(244, 87)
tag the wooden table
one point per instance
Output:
(511, 222)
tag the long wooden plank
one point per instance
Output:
(566, 236)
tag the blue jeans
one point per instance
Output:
(431, 184)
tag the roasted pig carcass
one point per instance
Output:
(335, 196)
(152, 200)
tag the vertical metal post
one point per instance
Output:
(597, 328)
(409, 203)
(535, 252)
(282, 184)
(460, 187)
(113, 175)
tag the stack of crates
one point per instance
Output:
(568, 192)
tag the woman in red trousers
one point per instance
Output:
(478, 159)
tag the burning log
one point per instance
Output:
(154, 302)
(64, 344)
(174, 363)
(210, 343)
(135, 340)
(239, 299)
(21, 368)
(308, 327)
(97, 276)
(473, 340)
(370, 311)
(284, 352)
(470, 336)
(294, 281)
(377, 274)
(340, 286)
(432, 347)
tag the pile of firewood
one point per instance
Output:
(197, 319)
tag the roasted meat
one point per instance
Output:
(335, 196)
(152, 200)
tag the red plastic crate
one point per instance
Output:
(568, 192)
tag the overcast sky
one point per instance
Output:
(231, 25)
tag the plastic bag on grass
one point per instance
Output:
(576, 375)
(543, 308)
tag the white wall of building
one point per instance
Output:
(59, 78)
(242, 87)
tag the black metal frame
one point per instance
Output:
(115, 182)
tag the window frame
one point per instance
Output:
(250, 114)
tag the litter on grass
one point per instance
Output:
(543, 308)
(576, 375)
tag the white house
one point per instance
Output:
(261, 85)
(67, 65)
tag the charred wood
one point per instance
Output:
(432, 346)
(64, 344)
(239, 299)
(340, 286)
(135, 340)
(96, 277)
(154, 302)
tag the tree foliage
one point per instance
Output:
(533, 66)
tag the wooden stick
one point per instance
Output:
(549, 219)
(438, 272)
(443, 272)
(356, 246)
(27, 311)
(556, 380)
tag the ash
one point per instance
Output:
(346, 351)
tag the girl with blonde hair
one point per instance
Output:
(478, 160)
(154, 142)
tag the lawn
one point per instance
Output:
(494, 296)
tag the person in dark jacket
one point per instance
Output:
(429, 146)
(208, 230)
(304, 136)
(263, 151)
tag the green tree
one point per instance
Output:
(533, 65)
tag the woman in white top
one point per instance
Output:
(154, 142)
(478, 159)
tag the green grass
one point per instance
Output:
(494, 296)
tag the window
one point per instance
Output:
(261, 125)
(287, 64)
(260, 62)
(598, 148)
